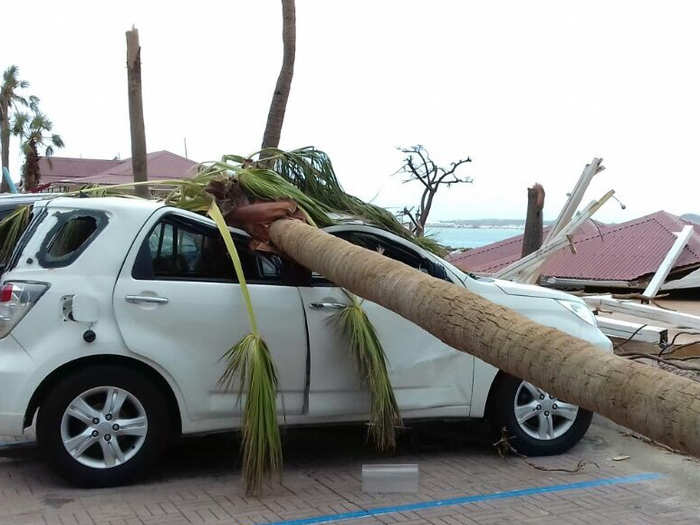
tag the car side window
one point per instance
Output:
(70, 236)
(390, 249)
(180, 249)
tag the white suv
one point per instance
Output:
(114, 315)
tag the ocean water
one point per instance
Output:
(471, 237)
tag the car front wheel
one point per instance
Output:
(103, 426)
(537, 423)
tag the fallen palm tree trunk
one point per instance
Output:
(660, 405)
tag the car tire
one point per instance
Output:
(106, 449)
(551, 429)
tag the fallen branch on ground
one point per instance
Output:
(503, 447)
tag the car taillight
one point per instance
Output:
(16, 299)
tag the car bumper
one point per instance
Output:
(16, 367)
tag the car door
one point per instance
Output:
(428, 376)
(178, 304)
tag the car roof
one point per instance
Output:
(105, 203)
(13, 200)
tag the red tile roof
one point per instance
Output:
(618, 252)
(161, 165)
(66, 168)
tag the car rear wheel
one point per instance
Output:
(103, 426)
(537, 423)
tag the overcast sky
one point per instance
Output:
(530, 90)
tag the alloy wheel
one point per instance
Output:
(104, 427)
(540, 415)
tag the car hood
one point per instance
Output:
(531, 290)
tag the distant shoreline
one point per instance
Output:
(483, 224)
(479, 226)
(472, 236)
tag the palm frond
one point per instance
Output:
(311, 170)
(57, 141)
(427, 242)
(372, 367)
(267, 185)
(11, 228)
(251, 362)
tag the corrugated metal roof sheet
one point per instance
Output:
(620, 252)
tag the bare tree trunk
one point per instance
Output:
(138, 133)
(5, 145)
(649, 400)
(424, 211)
(278, 106)
(532, 238)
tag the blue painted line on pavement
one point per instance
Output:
(636, 478)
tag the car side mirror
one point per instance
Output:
(85, 309)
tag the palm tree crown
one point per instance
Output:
(10, 100)
(35, 132)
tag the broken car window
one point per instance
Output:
(68, 238)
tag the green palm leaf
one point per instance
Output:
(372, 366)
(251, 362)
(311, 170)
(11, 228)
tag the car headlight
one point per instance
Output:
(580, 310)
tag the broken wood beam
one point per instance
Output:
(572, 203)
(527, 266)
(643, 311)
(668, 262)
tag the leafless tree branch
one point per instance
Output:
(418, 166)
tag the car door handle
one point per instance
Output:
(329, 306)
(145, 299)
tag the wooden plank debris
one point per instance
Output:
(632, 331)
(572, 203)
(668, 262)
(527, 268)
(643, 311)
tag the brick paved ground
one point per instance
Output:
(199, 482)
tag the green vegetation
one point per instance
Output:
(371, 362)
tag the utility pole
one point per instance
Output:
(138, 133)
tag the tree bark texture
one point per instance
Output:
(663, 406)
(532, 238)
(31, 168)
(5, 144)
(138, 133)
(278, 106)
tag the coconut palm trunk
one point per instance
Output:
(278, 106)
(663, 406)
(4, 143)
